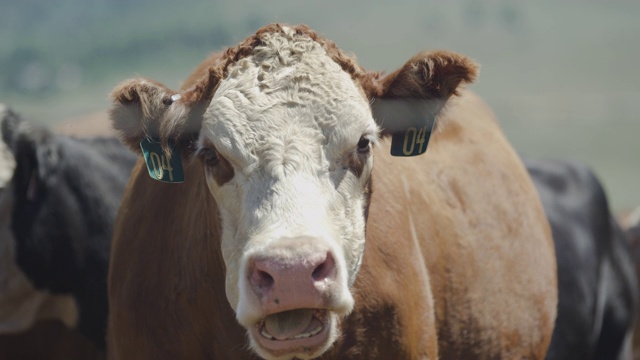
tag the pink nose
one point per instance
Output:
(293, 281)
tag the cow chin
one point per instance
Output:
(298, 332)
(294, 334)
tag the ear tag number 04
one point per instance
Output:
(413, 141)
(159, 167)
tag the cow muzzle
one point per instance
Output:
(298, 289)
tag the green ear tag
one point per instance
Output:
(414, 140)
(159, 168)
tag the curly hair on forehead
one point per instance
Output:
(202, 83)
(244, 49)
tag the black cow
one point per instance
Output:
(58, 203)
(596, 279)
(632, 224)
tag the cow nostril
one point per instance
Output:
(262, 280)
(325, 270)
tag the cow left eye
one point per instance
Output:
(364, 145)
(210, 156)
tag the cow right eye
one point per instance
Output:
(210, 156)
(363, 145)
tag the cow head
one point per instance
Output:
(19, 300)
(28, 160)
(284, 128)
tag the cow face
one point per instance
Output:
(16, 300)
(21, 303)
(286, 143)
(285, 134)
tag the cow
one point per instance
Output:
(597, 286)
(258, 226)
(631, 222)
(58, 203)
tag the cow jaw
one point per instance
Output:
(300, 334)
(292, 324)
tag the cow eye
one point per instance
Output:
(210, 156)
(363, 145)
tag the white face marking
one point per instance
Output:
(288, 119)
(7, 161)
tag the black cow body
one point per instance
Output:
(632, 224)
(596, 279)
(65, 195)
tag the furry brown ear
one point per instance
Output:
(421, 86)
(145, 108)
(138, 107)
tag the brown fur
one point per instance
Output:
(51, 340)
(170, 302)
(477, 281)
(423, 85)
(138, 105)
(356, 163)
(222, 172)
(434, 75)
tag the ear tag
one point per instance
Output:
(414, 140)
(158, 166)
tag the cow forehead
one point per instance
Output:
(288, 96)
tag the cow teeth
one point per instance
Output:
(311, 333)
(264, 333)
(315, 331)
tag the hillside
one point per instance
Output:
(561, 76)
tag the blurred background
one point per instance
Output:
(562, 76)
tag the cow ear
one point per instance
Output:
(147, 109)
(35, 153)
(37, 157)
(9, 122)
(138, 107)
(419, 89)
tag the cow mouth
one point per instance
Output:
(299, 331)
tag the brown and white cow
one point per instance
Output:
(283, 241)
